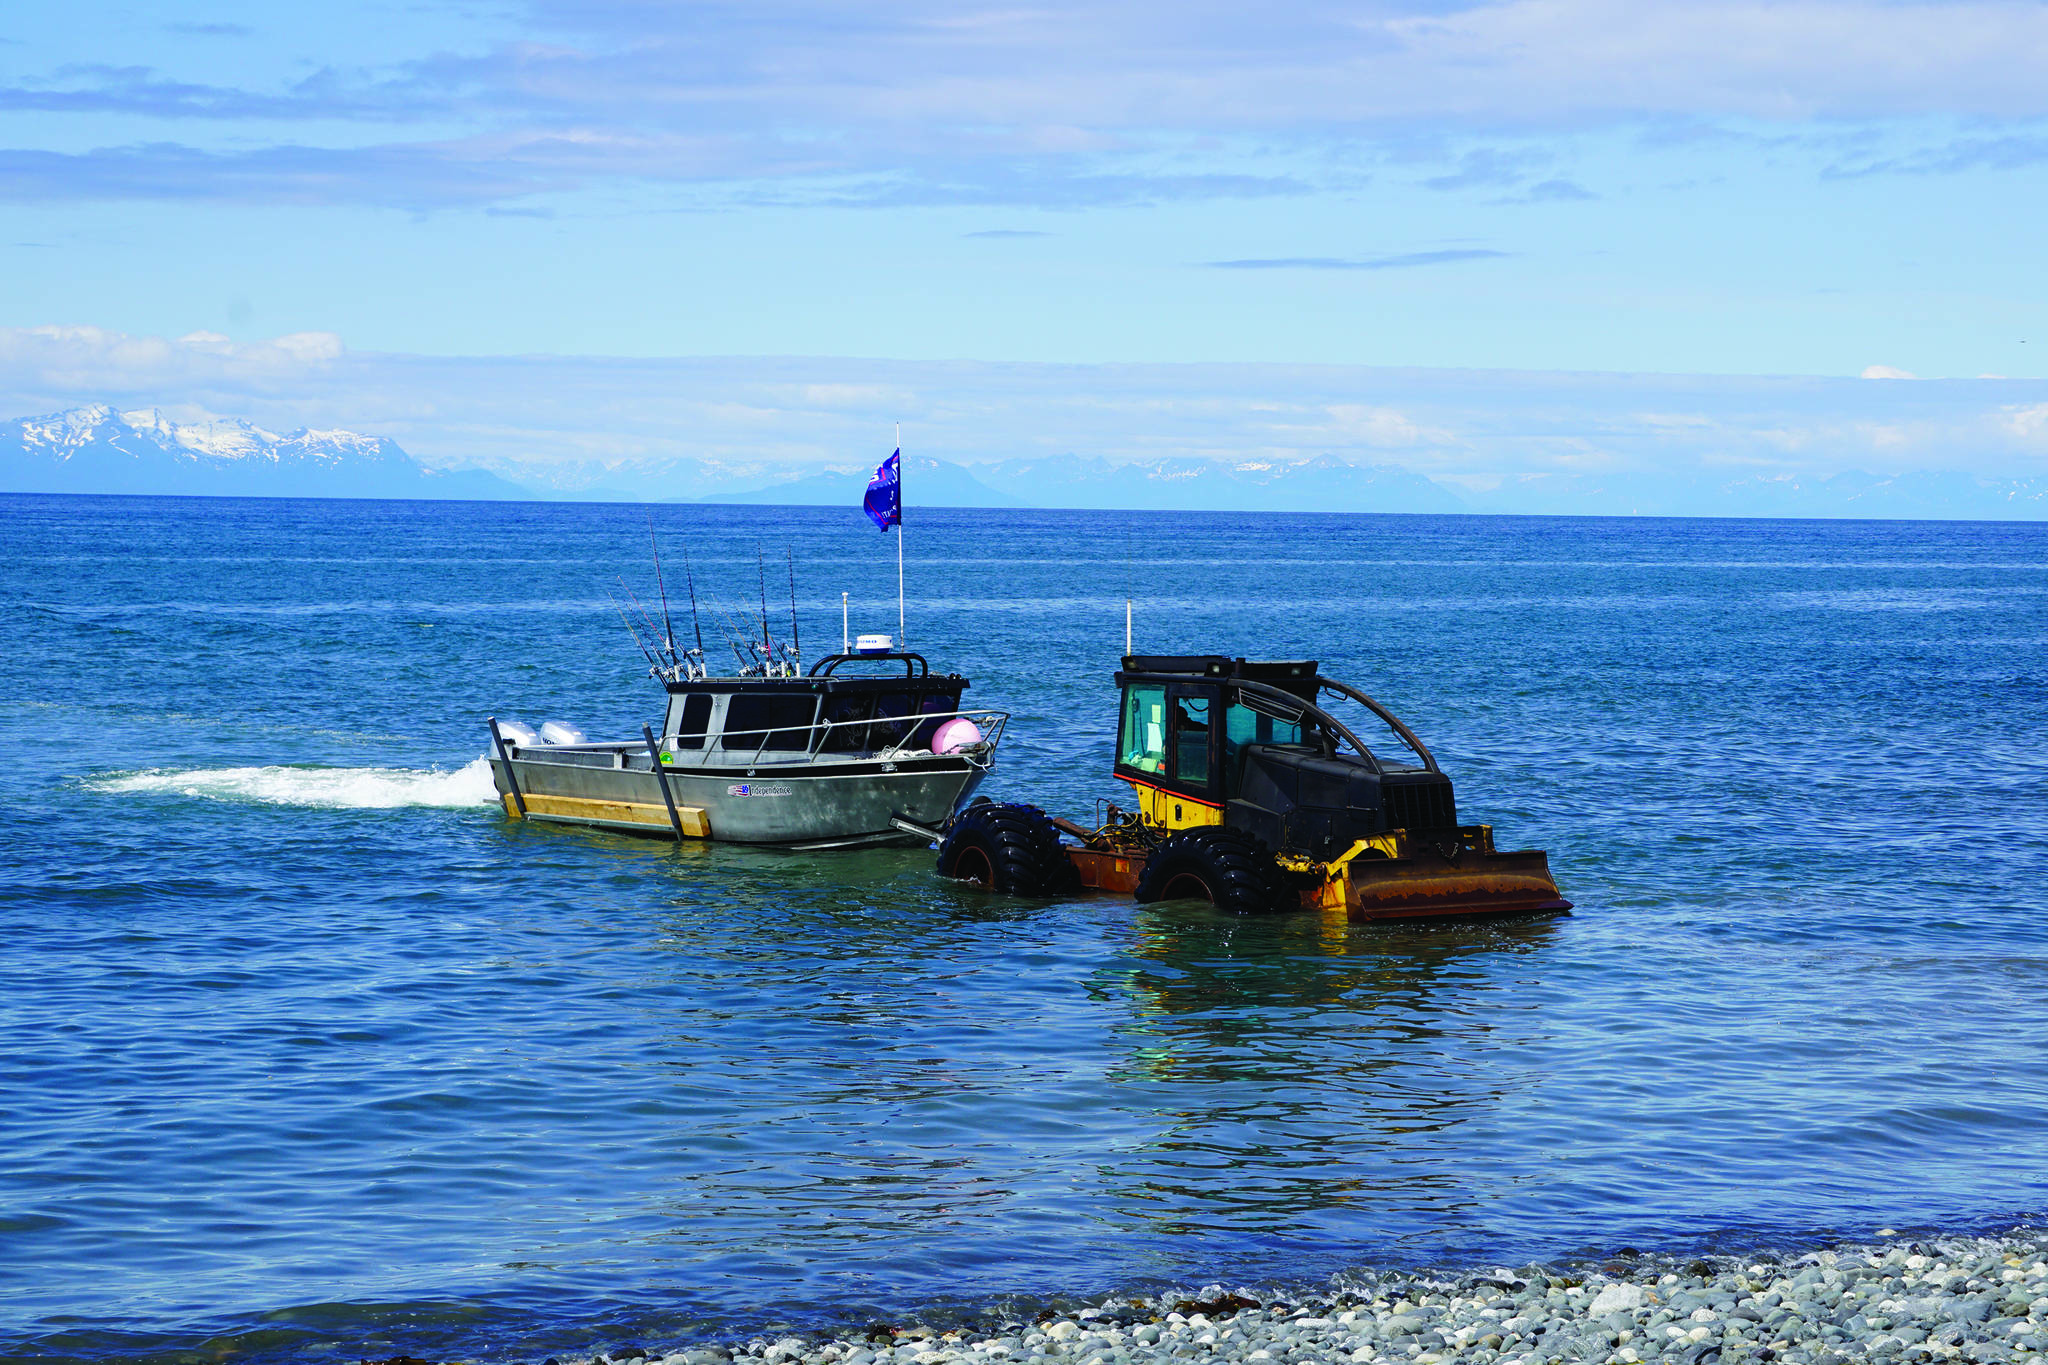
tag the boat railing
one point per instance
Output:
(918, 727)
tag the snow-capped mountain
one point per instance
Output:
(96, 449)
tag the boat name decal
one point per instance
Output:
(758, 789)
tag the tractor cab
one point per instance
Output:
(1212, 740)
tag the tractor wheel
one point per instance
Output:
(1009, 849)
(1225, 867)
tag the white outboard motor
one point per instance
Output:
(561, 732)
(517, 735)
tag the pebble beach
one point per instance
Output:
(1966, 1299)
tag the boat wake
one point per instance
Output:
(330, 788)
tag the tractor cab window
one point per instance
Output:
(1242, 726)
(1141, 739)
(1191, 740)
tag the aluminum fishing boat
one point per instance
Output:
(819, 760)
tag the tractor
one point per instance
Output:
(1252, 795)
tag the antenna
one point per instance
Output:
(845, 633)
(902, 634)
(663, 587)
(1130, 575)
(796, 646)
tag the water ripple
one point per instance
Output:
(308, 1049)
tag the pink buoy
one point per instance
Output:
(956, 733)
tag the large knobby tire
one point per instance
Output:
(1226, 867)
(1013, 850)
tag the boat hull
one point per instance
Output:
(799, 804)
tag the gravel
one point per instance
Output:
(1900, 1303)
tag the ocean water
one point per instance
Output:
(307, 1052)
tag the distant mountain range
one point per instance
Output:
(932, 483)
(99, 450)
(1326, 484)
(1918, 495)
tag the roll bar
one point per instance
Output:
(1294, 704)
(914, 665)
(1413, 740)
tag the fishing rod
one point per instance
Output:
(634, 598)
(767, 645)
(663, 588)
(796, 644)
(652, 662)
(734, 636)
(691, 578)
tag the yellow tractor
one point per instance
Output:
(1252, 795)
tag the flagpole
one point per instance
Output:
(902, 635)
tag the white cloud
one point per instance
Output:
(575, 420)
(1078, 67)
(1886, 372)
(1796, 60)
(92, 352)
(2028, 424)
(1063, 102)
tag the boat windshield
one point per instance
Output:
(768, 721)
(843, 713)
(867, 722)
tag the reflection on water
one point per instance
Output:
(1298, 1061)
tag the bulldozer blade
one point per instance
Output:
(1425, 883)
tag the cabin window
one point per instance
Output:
(892, 719)
(694, 721)
(783, 720)
(1242, 726)
(848, 710)
(1191, 740)
(1141, 740)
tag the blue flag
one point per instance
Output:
(884, 502)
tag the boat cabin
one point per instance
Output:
(838, 709)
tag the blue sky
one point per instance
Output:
(1791, 187)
